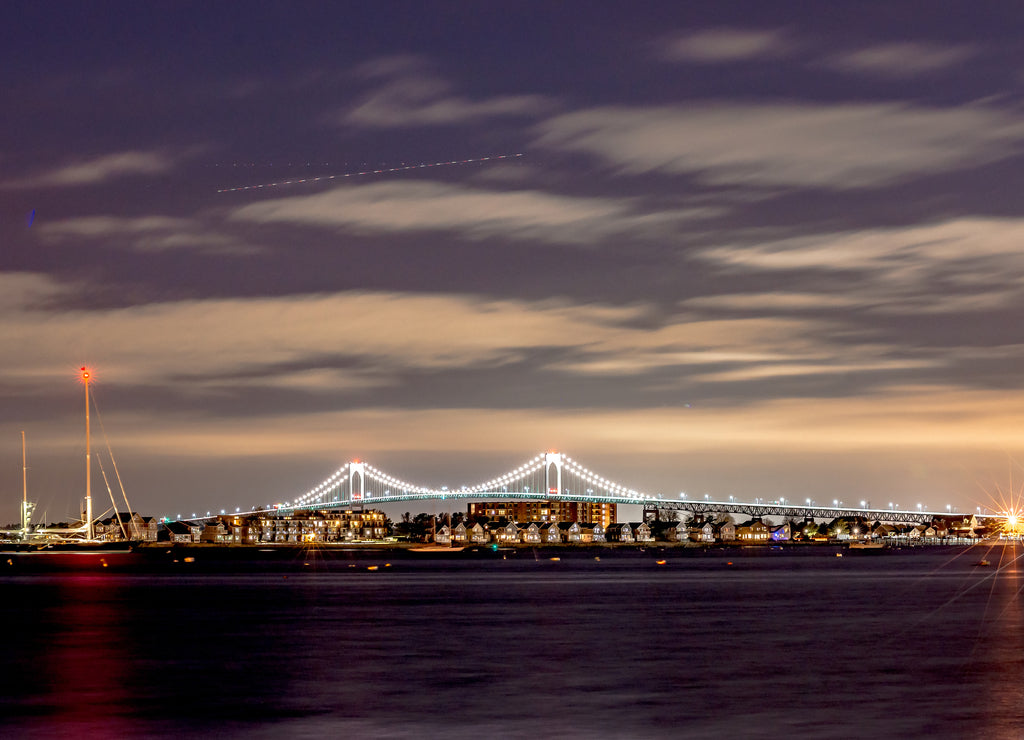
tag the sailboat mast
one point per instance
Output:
(89, 532)
(24, 490)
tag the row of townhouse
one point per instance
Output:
(753, 531)
(293, 527)
(541, 533)
(953, 530)
(127, 525)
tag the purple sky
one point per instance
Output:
(750, 249)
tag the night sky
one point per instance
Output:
(750, 249)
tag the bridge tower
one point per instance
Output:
(553, 458)
(355, 491)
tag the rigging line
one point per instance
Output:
(112, 502)
(113, 462)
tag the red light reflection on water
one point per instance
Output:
(88, 660)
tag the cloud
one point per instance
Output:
(958, 265)
(784, 370)
(725, 45)
(772, 301)
(202, 339)
(925, 419)
(97, 169)
(841, 146)
(144, 233)
(414, 96)
(296, 343)
(901, 60)
(397, 207)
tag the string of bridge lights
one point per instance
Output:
(334, 481)
(536, 464)
(595, 480)
(382, 477)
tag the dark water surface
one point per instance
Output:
(901, 644)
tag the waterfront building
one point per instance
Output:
(183, 532)
(306, 526)
(569, 531)
(550, 533)
(530, 533)
(214, 532)
(478, 535)
(138, 527)
(592, 532)
(443, 536)
(753, 530)
(702, 531)
(544, 511)
(503, 532)
(619, 532)
(641, 532)
(725, 531)
(670, 531)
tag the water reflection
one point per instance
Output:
(85, 662)
(1003, 649)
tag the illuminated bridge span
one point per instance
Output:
(555, 476)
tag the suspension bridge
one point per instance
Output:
(557, 477)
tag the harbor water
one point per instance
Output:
(915, 643)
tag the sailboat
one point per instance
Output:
(81, 539)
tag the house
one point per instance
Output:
(670, 531)
(569, 531)
(753, 530)
(702, 531)
(619, 532)
(460, 534)
(641, 532)
(214, 532)
(180, 532)
(443, 535)
(592, 532)
(136, 526)
(478, 535)
(883, 530)
(781, 533)
(725, 531)
(530, 533)
(550, 534)
(503, 532)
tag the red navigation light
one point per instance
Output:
(85, 374)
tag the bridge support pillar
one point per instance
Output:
(356, 489)
(553, 458)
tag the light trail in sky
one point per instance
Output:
(403, 168)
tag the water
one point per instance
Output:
(906, 644)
